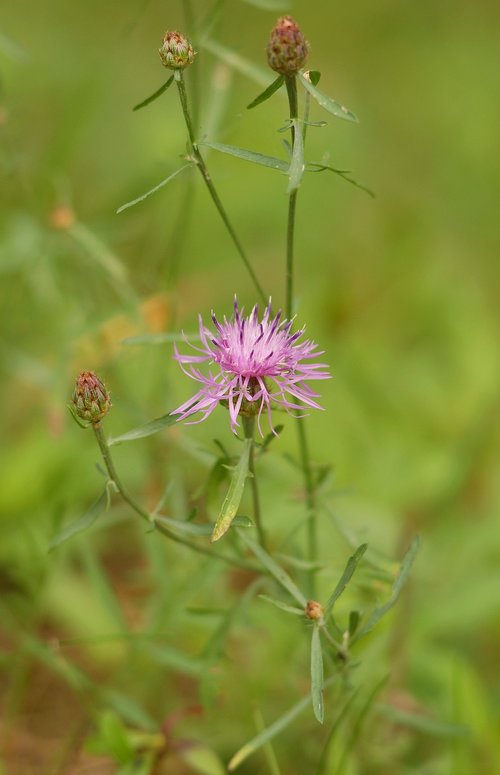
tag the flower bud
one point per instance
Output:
(176, 52)
(90, 398)
(314, 610)
(287, 48)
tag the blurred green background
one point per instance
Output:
(401, 291)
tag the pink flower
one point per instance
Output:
(256, 365)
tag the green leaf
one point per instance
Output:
(297, 164)
(290, 609)
(262, 738)
(154, 96)
(199, 530)
(234, 494)
(153, 190)
(314, 76)
(426, 724)
(315, 167)
(256, 158)
(317, 675)
(269, 5)
(278, 726)
(345, 578)
(263, 96)
(326, 102)
(202, 759)
(275, 570)
(82, 523)
(399, 583)
(148, 429)
(353, 622)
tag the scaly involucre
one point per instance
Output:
(257, 364)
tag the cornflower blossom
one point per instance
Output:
(257, 365)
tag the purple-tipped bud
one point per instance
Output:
(176, 51)
(287, 48)
(314, 610)
(90, 398)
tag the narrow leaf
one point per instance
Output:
(154, 96)
(399, 583)
(152, 190)
(148, 429)
(317, 675)
(256, 158)
(269, 5)
(315, 167)
(275, 570)
(82, 523)
(326, 102)
(345, 578)
(290, 609)
(278, 726)
(193, 529)
(234, 494)
(426, 724)
(314, 76)
(297, 164)
(263, 96)
(262, 738)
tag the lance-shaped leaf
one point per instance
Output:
(317, 675)
(329, 104)
(345, 578)
(290, 609)
(152, 190)
(148, 429)
(233, 498)
(297, 164)
(399, 583)
(190, 528)
(344, 174)
(155, 95)
(256, 158)
(275, 570)
(263, 96)
(82, 523)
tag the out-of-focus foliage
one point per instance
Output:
(125, 630)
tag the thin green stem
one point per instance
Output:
(150, 518)
(291, 87)
(249, 428)
(200, 163)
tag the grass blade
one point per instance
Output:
(233, 498)
(317, 675)
(290, 609)
(345, 578)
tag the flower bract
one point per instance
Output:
(253, 366)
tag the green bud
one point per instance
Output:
(90, 398)
(287, 48)
(176, 51)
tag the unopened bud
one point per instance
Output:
(314, 610)
(176, 51)
(287, 48)
(90, 398)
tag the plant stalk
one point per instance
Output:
(150, 518)
(200, 163)
(249, 429)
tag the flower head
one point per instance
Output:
(176, 51)
(90, 398)
(256, 365)
(287, 48)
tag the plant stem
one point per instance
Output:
(291, 87)
(150, 518)
(249, 427)
(200, 163)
